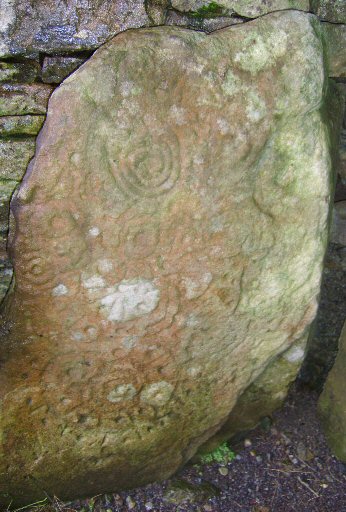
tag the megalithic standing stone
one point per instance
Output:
(167, 244)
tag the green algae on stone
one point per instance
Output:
(245, 8)
(209, 11)
(11, 126)
(24, 72)
(332, 403)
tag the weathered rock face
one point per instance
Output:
(51, 26)
(162, 260)
(332, 403)
(265, 395)
(246, 8)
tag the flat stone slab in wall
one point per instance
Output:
(332, 403)
(25, 125)
(52, 26)
(21, 99)
(168, 246)
(246, 8)
(330, 10)
(335, 37)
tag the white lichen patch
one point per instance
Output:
(259, 53)
(130, 299)
(194, 371)
(78, 336)
(256, 107)
(231, 84)
(128, 88)
(60, 290)
(196, 287)
(294, 355)
(94, 231)
(192, 320)
(178, 114)
(223, 126)
(122, 392)
(104, 266)
(129, 342)
(157, 394)
(94, 282)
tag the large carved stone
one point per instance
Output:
(168, 245)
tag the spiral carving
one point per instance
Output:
(148, 168)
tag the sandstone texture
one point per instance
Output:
(50, 26)
(265, 395)
(332, 403)
(167, 241)
(245, 8)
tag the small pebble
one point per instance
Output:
(223, 471)
(130, 503)
(238, 457)
(253, 453)
(148, 505)
(259, 458)
(247, 443)
(324, 486)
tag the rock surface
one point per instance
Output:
(246, 8)
(51, 26)
(335, 37)
(330, 10)
(332, 403)
(161, 261)
(338, 230)
(26, 72)
(265, 395)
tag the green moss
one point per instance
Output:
(208, 11)
(222, 454)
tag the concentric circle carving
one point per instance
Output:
(149, 167)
